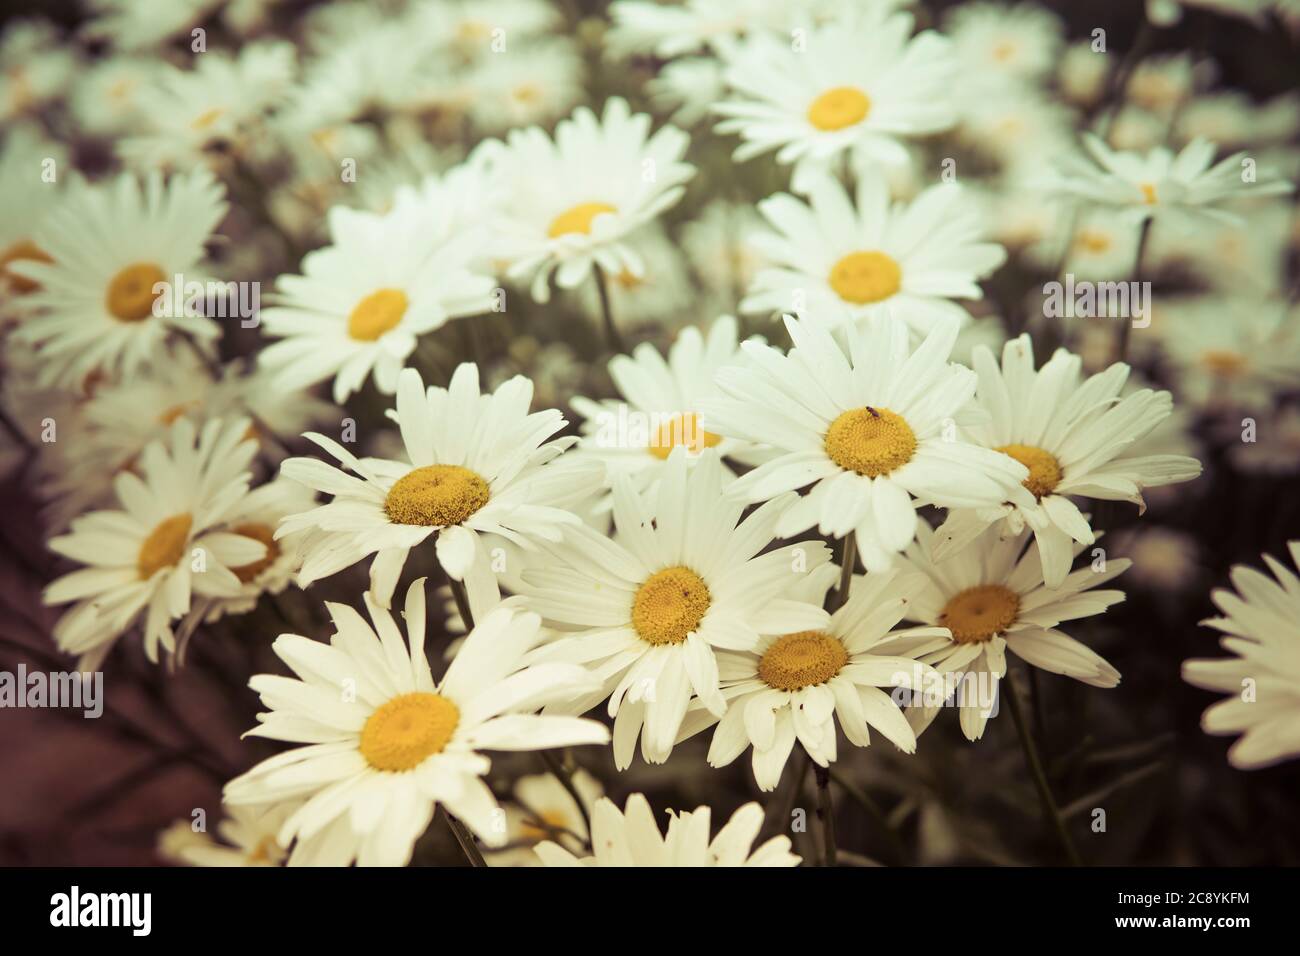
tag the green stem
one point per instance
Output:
(465, 839)
(462, 602)
(612, 337)
(864, 800)
(556, 766)
(848, 558)
(825, 814)
(1036, 771)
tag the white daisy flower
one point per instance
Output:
(1101, 245)
(658, 410)
(474, 466)
(1262, 679)
(111, 245)
(835, 261)
(534, 84)
(571, 201)
(991, 598)
(1162, 182)
(869, 427)
(364, 300)
(687, 88)
(856, 85)
(257, 516)
(27, 200)
(544, 809)
(682, 577)
(1075, 436)
(106, 100)
(717, 248)
(660, 294)
(632, 838)
(37, 65)
(383, 744)
(800, 686)
(1083, 73)
(215, 106)
(1231, 351)
(997, 43)
(667, 30)
(247, 838)
(166, 543)
(140, 24)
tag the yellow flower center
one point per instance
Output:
(164, 545)
(862, 277)
(976, 614)
(578, 219)
(801, 660)
(267, 848)
(130, 294)
(669, 605)
(376, 314)
(1005, 51)
(1093, 242)
(542, 825)
(1044, 470)
(264, 534)
(207, 118)
(23, 249)
(681, 430)
(839, 107)
(1149, 194)
(1223, 363)
(870, 441)
(436, 496)
(407, 730)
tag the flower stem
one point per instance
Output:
(465, 839)
(561, 772)
(462, 602)
(864, 800)
(1036, 770)
(825, 813)
(612, 337)
(848, 557)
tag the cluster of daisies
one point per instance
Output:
(295, 298)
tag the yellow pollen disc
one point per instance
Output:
(262, 533)
(262, 852)
(669, 605)
(1004, 51)
(527, 93)
(862, 277)
(130, 294)
(976, 614)
(801, 660)
(436, 496)
(1044, 469)
(1149, 194)
(870, 441)
(1093, 242)
(376, 314)
(1223, 362)
(578, 219)
(407, 730)
(542, 826)
(165, 545)
(627, 280)
(23, 249)
(681, 430)
(839, 107)
(207, 118)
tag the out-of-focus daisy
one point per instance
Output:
(658, 410)
(383, 744)
(1238, 259)
(543, 809)
(1000, 43)
(214, 106)
(1019, 129)
(718, 249)
(1166, 13)
(991, 598)
(835, 261)
(682, 578)
(247, 838)
(1075, 436)
(535, 83)
(802, 686)
(140, 24)
(856, 85)
(110, 247)
(164, 545)
(1263, 676)
(1164, 559)
(1162, 182)
(1082, 73)
(27, 198)
(107, 100)
(1233, 120)
(1276, 446)
(1162, 84)
(1101, 245)
(869, 427)
(257, 516)
(36, 67)
(474, 465)
(667, 31)
(632, 838)
(570, 201)
(364, 300)
(661, 294)
(1230, 351)
(687, 88)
